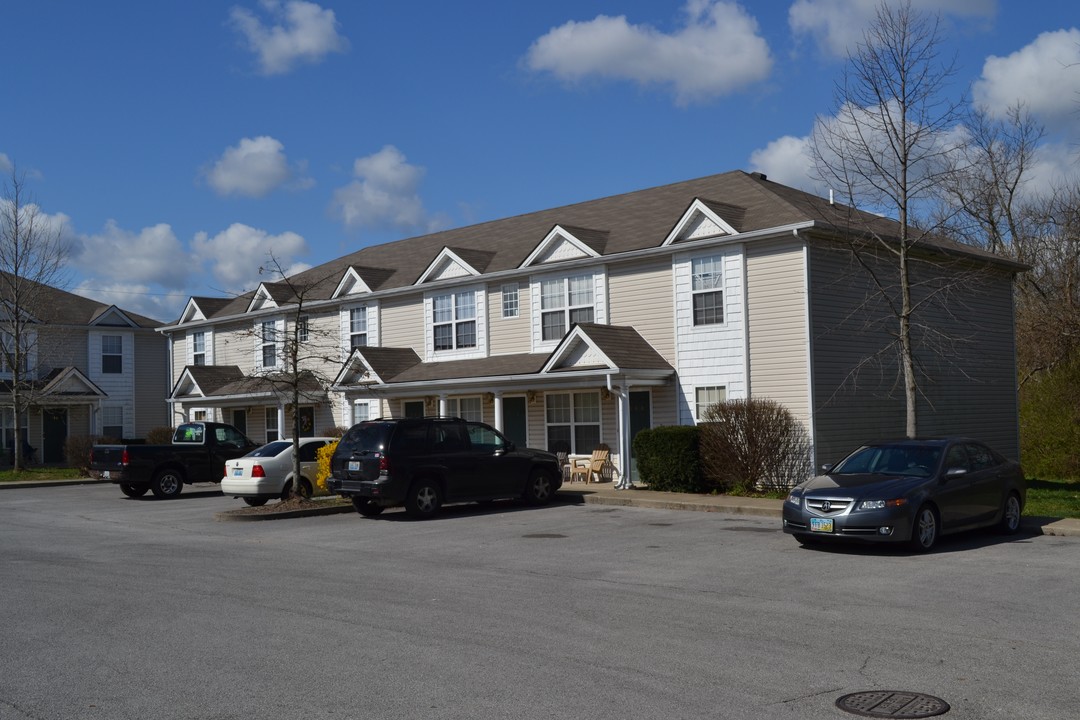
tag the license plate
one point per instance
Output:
(105, 475)
(354, 466)
(821, 525)
(237, 472)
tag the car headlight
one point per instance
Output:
(795, 499)
(881, 504)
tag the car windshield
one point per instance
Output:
(916, 460)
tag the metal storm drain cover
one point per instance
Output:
(893, 704)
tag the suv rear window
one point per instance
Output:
(366, 437)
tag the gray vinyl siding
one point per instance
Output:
(970, 358)
(642, 296)
(151, 388)
(401, 323)
(777, 333)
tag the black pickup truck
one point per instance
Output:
(197, 454)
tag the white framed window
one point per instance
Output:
(572, 421)
(466, 408)
(268, 344)
(9, 350)
(707, 289)
(198, 347)
(511, 305)
(302, 331)
(112, 354)
(453, 321)
(272, 433)
(358, 327)
(112, 421)
(564, 302)
(705, 397)
(199, 415)
(361, 411)
(7, 424)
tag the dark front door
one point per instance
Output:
(239, 420)
(414, 408)
(54, 429)
(640, 419)
(514, 426)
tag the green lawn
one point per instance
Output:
(1053, 498)
(39, 473)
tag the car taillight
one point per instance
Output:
(384, 464)
(124, 457)
(257, 471)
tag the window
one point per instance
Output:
(510, 303)
(573, 422)
(112, 421)
(8, 353)
(7, 422)
(465, 408)
(453, 320)
(360, 411)
(198, 348)
(199, 416)
(112, 354)
(302, 329)
(272, 424)
(706, 397)
(564, 302)
(268, 346)
(707, 289)
(484, 439)
(358, 327)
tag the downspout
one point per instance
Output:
(623, 418)
(808, 318)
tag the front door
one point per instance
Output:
(514, 426)
(414, 408)
(239, 420)
(54, 429)
(640, 419)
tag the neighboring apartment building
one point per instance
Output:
(584, 324)
(92, 369)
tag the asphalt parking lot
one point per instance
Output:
(119, 608)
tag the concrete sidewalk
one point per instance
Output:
(606, 494)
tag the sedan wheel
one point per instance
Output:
(133, 490)
(1010, 515)
(255, 501)
(423, 500)
(924, 533)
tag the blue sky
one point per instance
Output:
(181, 142)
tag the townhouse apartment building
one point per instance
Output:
(88, 369)
(580, 325)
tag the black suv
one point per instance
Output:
(422, 463)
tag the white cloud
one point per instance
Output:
(132, 297)
(787, 161)
(384, 194)
(837, 25)
(5, 164)
(716, 52)
(302, 31)
(254, 167)
(235, 254)
(1044, 76)
(153, 255)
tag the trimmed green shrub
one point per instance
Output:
(668, 460)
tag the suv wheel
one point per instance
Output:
(538, 488)
(424, 499)
(367, 508)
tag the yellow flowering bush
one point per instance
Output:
(323, 456)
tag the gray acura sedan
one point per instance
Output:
(909, 491)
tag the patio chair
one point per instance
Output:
(564, 465)
(591, 468)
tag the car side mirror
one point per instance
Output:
(955, 473)
(826, 468)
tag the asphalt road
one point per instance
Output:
(150, 610)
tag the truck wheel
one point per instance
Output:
(133, 490)
(167, 484)
(423, 500)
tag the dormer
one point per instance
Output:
(192, 312)
(456, 263)
(201, 308)
(113, 316)
(565, 242)
(267, 295)
(359, 280)
(706, 219)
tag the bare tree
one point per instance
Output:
(306, 350)
(889, 149)
(33, 255)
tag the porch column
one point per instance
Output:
(442, 405)
(499, 411)
(623, 396)
(281, 422)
